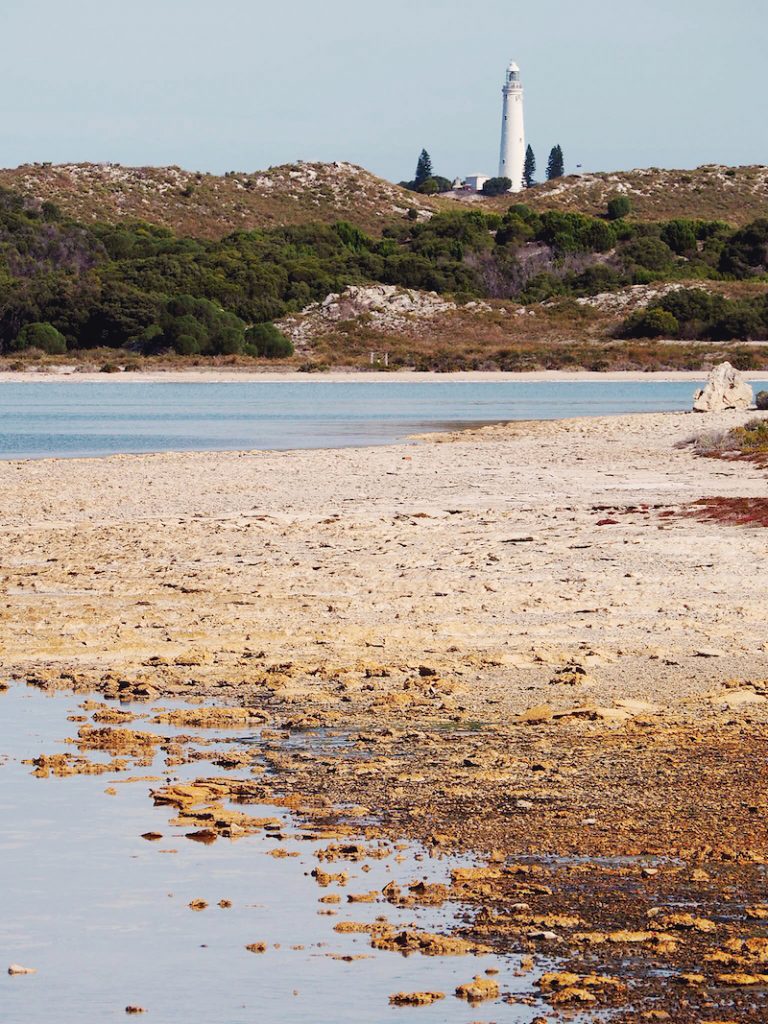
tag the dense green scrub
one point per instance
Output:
(64, 284)
(693, 314)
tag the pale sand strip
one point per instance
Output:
(215, 376)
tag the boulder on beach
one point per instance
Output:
(726, 388)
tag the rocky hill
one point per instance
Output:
(210, 206)
(736, 195)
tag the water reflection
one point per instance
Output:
(104, 917)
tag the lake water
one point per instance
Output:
(103, 916)
(73, 418)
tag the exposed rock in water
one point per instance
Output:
(726, 388)
(564, 987)
(426, 943)
(478, 990)
(212, 717)
(415, 998)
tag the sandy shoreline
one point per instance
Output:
(213, 376)
(415, 543)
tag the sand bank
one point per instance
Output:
(216, 376)
(491, 553)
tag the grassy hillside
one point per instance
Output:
(736, 195)
(209, 206)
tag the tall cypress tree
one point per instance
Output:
(530, 168)
(423, 168)
(555, 164)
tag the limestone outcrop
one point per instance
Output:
(725, 389)
(385, 307)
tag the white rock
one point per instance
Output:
(737, 698)
(388, 308)
(726, 388)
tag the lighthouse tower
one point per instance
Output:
(512, 159)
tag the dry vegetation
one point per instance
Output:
(212, 206)
(736, 195)
(564, 335)
(747, 443)
(568, 334)
(110, 360)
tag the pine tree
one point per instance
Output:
(555, 164)
(423, 168)
(530, 168)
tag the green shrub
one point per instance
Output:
(40, 335)
(267, 342)
(514, 231)
(575, 232)
(187, 345)
(194, 326)
(542, 287)
(746, 253)
(443, 184)
(49, 211)
(692, 304)
(497, 186)
(525, 213)
(739, 321)
(596, 279)
(618, 207)
(651, 323)
(648, 253)
(680, 236)
(761, 401)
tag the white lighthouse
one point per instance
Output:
(512, 158)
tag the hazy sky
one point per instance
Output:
(244, 84)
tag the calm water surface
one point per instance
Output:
(103, 915)
(83, 418)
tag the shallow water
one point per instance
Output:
(103, 915)
(81, 418)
